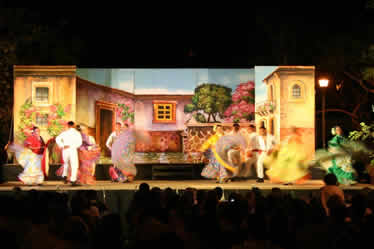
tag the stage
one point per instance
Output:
(311, 185)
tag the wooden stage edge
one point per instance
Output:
(311, 185)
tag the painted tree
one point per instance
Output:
(211, 99)
(243, 107)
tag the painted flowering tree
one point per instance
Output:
(55, 118)
(242, 108)
(125, 112)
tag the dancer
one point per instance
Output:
(230, 150)
(338, 159)
(70, 140)
(265, 146)
(29, 156)
(235, 130)
(123, 153)
(114, 135)
(289, 164)
(213, 170)
(88, 154)
(250, 152)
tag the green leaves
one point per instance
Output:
(210, 98)
(125, 113)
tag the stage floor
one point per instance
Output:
(310, 185)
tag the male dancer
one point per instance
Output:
(265, 143)
(234, 154)
(70, 140)
(114, 135)
(251, 153)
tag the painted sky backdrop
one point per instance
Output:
(261, 72)
(164, 81)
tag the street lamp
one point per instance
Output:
(323, 83)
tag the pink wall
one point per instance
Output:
(144, 116)
(86, 100)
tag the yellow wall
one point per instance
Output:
(60, 78)
(290, 111)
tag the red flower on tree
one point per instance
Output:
(242, 109)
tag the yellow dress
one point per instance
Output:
(289, 163)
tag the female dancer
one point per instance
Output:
(340, 163)
(214, 169)
(123, 153)
(88, 154)
(29, 156)
(288, 163)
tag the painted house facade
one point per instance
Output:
(290, 102)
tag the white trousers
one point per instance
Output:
(70, 157)
(260, 164)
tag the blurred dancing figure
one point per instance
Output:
(213, 169)
(88, 153)
(113, 136)
(289, 164)
(123, 155)
(250, 152)
(29, 156)
(265, 146)
(338, 158)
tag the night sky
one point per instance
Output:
(192, 37)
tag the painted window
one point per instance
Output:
(296, 91)
(164, 112)
(41, 120)
(42, 94)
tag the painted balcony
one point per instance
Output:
(265, 108)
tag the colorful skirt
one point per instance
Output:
(213, 170)
(123, 153)
(32, 171)
(287, 165)
(87, 164)
(337, 162)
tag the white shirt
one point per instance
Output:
(265, 145)
(110, 140)
(70, 137)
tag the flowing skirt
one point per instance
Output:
(288, 165)
(338, 162)
(31, 163)
(123, 155)
(213, 170)
(87, 164)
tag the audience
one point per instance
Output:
(188, 219)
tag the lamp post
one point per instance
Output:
(323, 83)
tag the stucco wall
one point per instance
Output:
(144, 116)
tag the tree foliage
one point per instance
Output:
(211, 99)
(366, 135)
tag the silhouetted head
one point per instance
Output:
(70, 124)
(330, 180)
